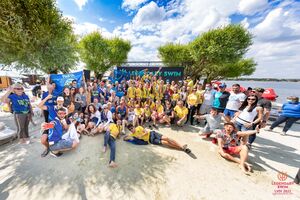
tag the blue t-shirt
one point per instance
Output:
(20, 104)
(55, 133)
(50, 102)
(52, 112)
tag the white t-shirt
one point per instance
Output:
(235, 101)
(208, 97)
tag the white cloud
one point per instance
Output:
(129, 5)
(80, 3)
(250, 7)
(276, 29)
(82, 29)
(149, 14)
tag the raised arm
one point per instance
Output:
(42, 103)
(5, 98)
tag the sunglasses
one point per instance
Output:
(61, 113)
(18, 88)
(252, 99)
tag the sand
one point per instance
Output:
(147, 172)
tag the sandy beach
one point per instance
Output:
(148, 172)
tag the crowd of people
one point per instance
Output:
(140, 104)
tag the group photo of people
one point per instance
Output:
(134, 107)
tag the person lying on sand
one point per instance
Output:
(229, 144)
(139, 135)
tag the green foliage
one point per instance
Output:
(34, 34)
(175, 55)
(216, 54)
(100, 54)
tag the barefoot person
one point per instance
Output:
(152, 137)
(112, 133)
(228, 142)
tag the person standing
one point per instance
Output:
(21, 109)
(192, 101)
(235, 101)
(221, 98)
(290, 113)
(208, 98)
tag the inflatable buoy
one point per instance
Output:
(269, 94)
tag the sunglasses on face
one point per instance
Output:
(18, 88)
(61, 113)
(251, 99)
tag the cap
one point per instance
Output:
(223, 85)
(230, 123)
(259, 90)
(104, 106)
(60, 98)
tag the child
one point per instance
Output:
(112, 133)
(130, 115)
(138, 115)
(213, 122)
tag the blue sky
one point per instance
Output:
(149, 24)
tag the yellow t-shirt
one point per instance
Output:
(147, 112)
(138, 111)
(131, 92)
(152, 106)
(114, 130)
(190, 83)
(181, 112)
(146, 93)
(192, 99)
(160, 109)
(175, 96)
(200, 96)
(138, 93)
(140, 131)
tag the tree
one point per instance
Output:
(219, 53)
(216, 54)
(35, 35)
(100, 53)
(175, 55)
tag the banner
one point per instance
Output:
(62, 80)
(167, 73)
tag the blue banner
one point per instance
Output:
(64, 80)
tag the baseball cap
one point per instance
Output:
(222, 85)
(104, 106)
(60, 98)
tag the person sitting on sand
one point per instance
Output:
(139, 135)
(112, 133)
(228, 142)
(213, 120)
(58, 141)
(181, 113)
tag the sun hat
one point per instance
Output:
(60, 98)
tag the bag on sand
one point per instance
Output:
(71, 133)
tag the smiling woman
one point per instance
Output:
(20, 105)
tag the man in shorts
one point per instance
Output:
(235, 101)
(58, 142)
(229, 145)
(139, 135)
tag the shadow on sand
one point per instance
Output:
(82, 173)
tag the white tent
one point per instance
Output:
(11, 74)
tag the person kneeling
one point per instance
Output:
(228, 142)
(59, 142)
(139, 135)
(112, 133)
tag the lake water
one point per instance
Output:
(282, 89)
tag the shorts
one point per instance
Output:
(230, 113)
(232, 150)
(155, 138)
(95, 120)
(137, 141)
(62, 145)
